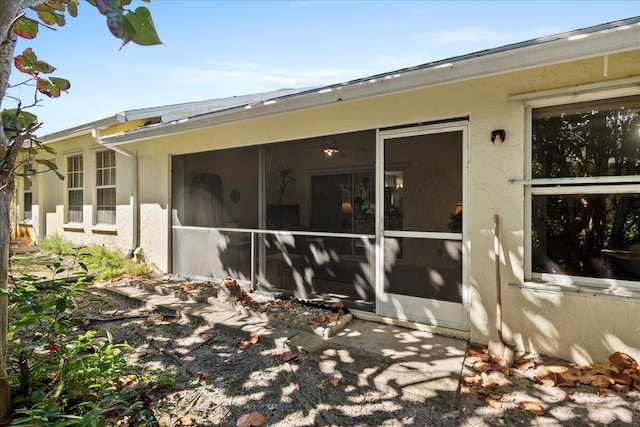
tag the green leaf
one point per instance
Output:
(72, 8)
(12, 125)
(142, 23)
(47, 16)
(29, 63)
(26, 28)
(45, 87)
(60, 83)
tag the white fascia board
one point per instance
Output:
(84, 128)
(589, 45)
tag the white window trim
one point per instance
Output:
(104, 226)
(559, 283)
(73, 224)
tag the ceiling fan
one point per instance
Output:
(333, 148)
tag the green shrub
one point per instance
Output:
(103, 262)
(61, 379)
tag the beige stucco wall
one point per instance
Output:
(50, 199)
(578, 328)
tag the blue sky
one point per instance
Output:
(215, 49)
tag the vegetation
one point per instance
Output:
(103, 262)
(59, 375)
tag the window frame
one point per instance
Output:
(73, 176)
(623, 184)
(102, 188)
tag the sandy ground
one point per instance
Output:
(197, 376)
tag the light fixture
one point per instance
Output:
(498, 136)
(330, 151)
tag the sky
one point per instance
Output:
(216, 49)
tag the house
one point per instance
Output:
(381, 192)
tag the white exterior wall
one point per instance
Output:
(582, 329)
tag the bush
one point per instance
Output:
(104, 263)
(62, 379)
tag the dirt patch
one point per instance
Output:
(324, 320)
(200, 377)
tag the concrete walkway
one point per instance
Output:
(415, 364)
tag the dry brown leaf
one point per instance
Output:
(493, 402)
(335, 382)
(600, 381)
(287, 305)
(139, 354)
(156, 317)
(524, 364)
(333, 317)
(86, 322)
(188, 420)
(472, 379)
(504, 369)
(562, 381)
(203, 375)
(482, 366)
(477, 358)
(287, 355)
(187, 286)
(623, 361)
(254, 419)
(475, 351)
(533, 407)
(488, 382)
(546, 382)
(621, 378)
(586, 378)
(253, 339)
(621, 387)
(318, 321)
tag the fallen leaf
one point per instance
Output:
(482, 366)
(493, 402)
(139, 354)
(287, 305)
(472, 379)
(524, 364)
(188, 420)
(533, 407)
(474, 351)
(621, 378)
(53, 347)
(156, 317)
(187, 286)
(287, 355)
(203, 375)
(86, 322)
(600, 381)
(335, 382)
(623, 361)
(318, 321)
(488, 382)
(254, 419)
(332, 318)
(253, 339)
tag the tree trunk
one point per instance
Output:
(8, 12)
(5, 235)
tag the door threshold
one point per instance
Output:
(438, 330)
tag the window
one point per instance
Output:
(74, 188)
(27, 192)
(585, 198)
(106, 187)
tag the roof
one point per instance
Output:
(603, 39)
